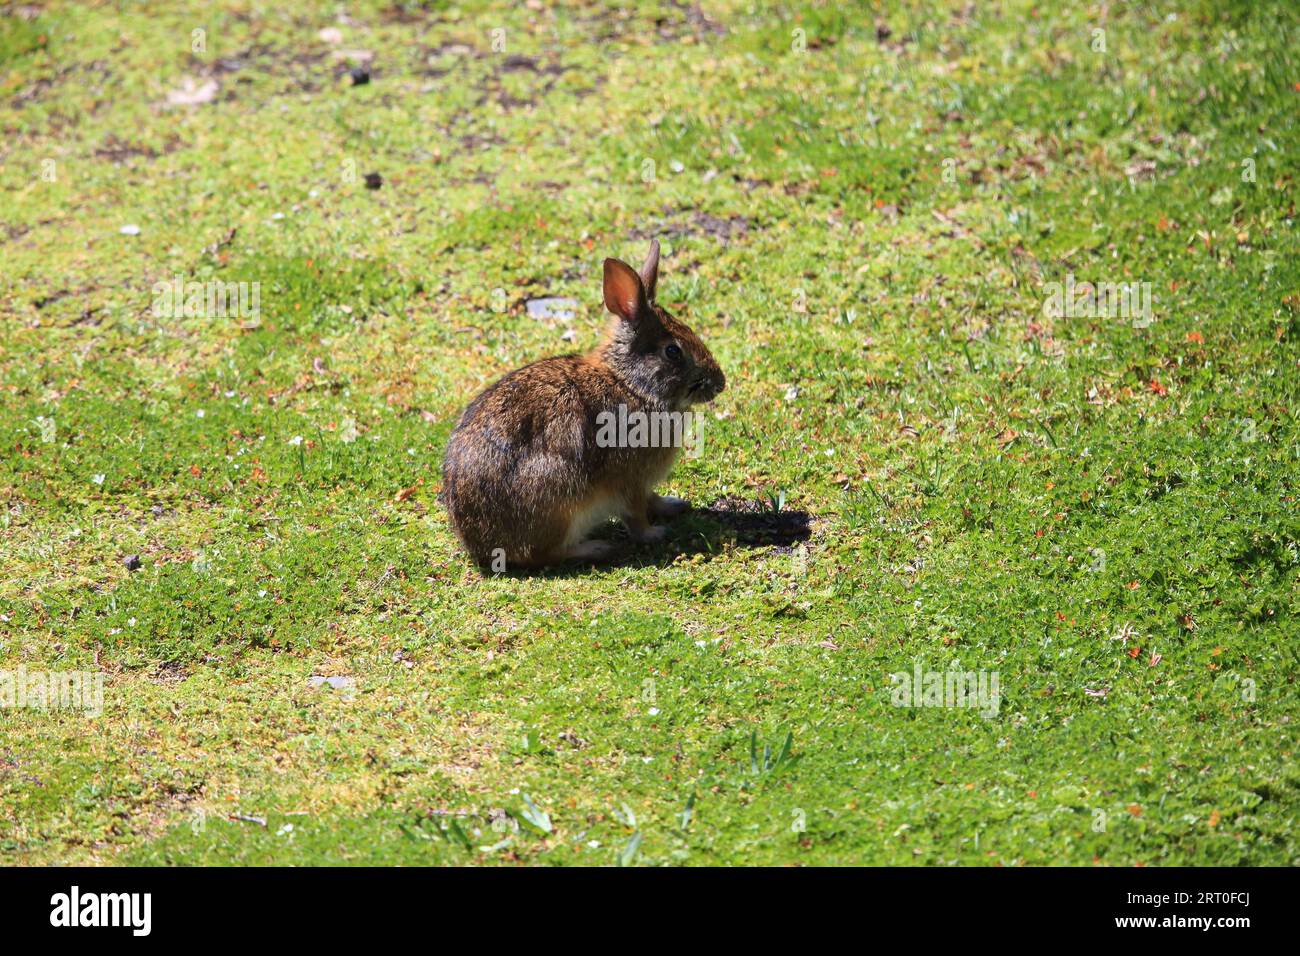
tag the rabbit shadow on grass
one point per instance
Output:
(727, 524)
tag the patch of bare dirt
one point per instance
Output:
(120, 151)
(696, 224)
(688, 20)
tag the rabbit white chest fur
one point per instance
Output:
(590, 516)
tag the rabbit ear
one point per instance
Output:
(624, 294)
(650, 270)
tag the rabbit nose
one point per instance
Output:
(707, 386)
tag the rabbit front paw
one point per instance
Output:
(667, 506)
(652, 534)
(590, 552)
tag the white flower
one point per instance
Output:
(295, 440)
(1125, 632)
(97, 479)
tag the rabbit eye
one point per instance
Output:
(673, 351)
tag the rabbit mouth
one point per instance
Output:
(705, 388)
(701, 393)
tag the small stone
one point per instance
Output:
(374, 180)
(360, 75)
(552, 308)
(193, 93)
(336, 683)
(132, 562)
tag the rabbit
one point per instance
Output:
(525, 478)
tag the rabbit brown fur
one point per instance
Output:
(524, 478)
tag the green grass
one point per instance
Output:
(861, 220)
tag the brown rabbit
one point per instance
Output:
(525, 477)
